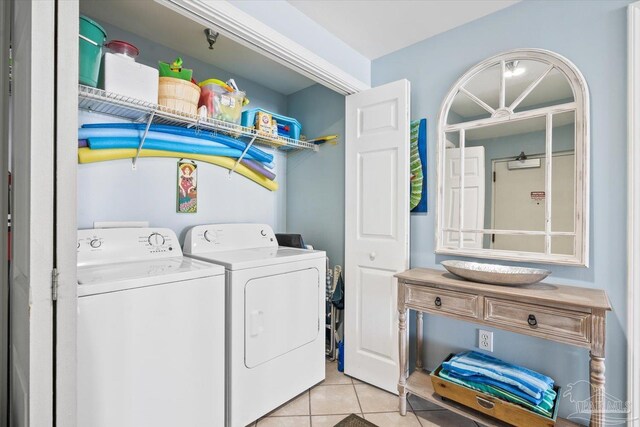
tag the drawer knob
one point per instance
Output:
(485, 403)
(532, 320)
(438, 302)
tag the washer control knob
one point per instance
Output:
(156, 239)
(210, 236)
(95, 243)
(78, 244)
(264, 233)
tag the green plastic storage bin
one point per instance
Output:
(92, 38)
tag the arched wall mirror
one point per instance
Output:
(513, 161)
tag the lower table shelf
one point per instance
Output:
(419, 384)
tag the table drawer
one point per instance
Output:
(555, 324)
(440, 300)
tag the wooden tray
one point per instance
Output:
(490, 405)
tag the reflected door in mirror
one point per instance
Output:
(474, 197)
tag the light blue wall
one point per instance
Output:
(149, 192)
(290, 22)
(315, 181)
(593, 35)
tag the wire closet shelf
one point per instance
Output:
(124, 107)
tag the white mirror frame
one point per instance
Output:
(505, 114)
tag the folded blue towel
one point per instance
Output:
(480, 379)
(545, 407)
(490, 370)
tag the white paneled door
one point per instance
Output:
(31, 370)
(376, 229)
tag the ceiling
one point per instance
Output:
(376, 28)
(354, 21)
(157, 23)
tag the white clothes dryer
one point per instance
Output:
(275, 315)
(150, 332)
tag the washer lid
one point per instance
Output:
(259, 257)
(103, 278)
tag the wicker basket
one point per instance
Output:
(179, 95)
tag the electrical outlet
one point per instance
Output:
(485, 340)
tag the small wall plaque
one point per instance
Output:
(187, 187)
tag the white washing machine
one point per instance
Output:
(150, 332)
(275, 315)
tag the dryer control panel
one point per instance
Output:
(228, 237)
(110, 245)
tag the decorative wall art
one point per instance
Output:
(187, 186)
(418, 167)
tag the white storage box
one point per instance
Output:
(121, 74)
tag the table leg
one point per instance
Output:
(419, 338)
(596, 371)
(597, 367)
(402, 328)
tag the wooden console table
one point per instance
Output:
(565, 314)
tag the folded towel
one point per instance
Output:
(544, 408)
(486, 369)
(547, 402)
(479, 379)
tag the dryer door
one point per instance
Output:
(281, 314)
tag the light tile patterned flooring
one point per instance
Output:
(339, 395)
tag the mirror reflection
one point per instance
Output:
(484, 86)
(509, 161)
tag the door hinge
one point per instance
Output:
(494, 176)
(54, 284)
(493, 238)
(10, 76)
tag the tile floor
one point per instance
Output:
(339, 395)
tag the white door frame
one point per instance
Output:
(243, 28)
(65, 201)
(5, 26)
(633, 213)
(228, 20)
(231, 22)
(32, 128)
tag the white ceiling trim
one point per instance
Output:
(248, 31)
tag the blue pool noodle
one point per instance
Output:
(152, 144)
(251, 164)
(193, 133)
(135, 133)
